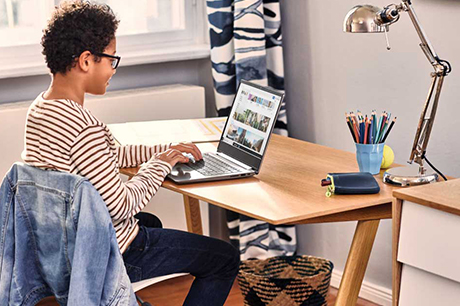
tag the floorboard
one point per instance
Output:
(173, 292)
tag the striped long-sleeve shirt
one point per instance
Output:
(62, 135)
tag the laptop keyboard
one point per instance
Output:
(211, 165)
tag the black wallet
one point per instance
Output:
(350, 183)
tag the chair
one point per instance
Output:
(59, 192)
(58, 239)
(137, 286)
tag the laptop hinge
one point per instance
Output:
(223, 155)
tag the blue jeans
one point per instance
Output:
(213, 262)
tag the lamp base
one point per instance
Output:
(409, 176)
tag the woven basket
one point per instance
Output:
(285, 281)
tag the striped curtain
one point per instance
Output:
(246, 44)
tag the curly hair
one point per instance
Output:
(75, 27)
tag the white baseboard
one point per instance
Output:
(371, 292)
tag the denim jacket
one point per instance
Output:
(57, 238)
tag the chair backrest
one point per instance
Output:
(58, 237)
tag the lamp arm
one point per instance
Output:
(441, 68)
(425, 124)
(426, 45)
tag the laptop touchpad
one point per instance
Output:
(181, 171)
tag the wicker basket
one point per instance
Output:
(285, 281)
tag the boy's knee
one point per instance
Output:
(235, 260)
(228, 259)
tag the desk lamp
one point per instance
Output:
(371, 19)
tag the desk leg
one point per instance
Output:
(193, 215)
(356, 265)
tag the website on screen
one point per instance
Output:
(251, 119)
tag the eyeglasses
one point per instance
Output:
(116, 59)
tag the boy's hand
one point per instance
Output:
(172, 157)
(188, 147)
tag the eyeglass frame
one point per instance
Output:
(118, 58)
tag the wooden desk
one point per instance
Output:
(426, 269)
(288, 191)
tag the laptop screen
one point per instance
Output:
(251, 120)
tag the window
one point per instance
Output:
(158, 16)
(150, 31)
(21, 21)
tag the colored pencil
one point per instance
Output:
(365, 130)
(369, 129)
(379, 128)
(384, 129)
(389, 129)
(369, 133)
(374, 126)
(350, 127)
(355, 129)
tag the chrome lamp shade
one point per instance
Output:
(362, 19)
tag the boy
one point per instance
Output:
(79, 45)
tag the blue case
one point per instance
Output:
(352, 183)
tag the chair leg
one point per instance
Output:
(142, 302)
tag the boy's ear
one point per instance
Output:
(85, 61)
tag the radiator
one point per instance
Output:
(153, 103)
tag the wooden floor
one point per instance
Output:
(172, 293)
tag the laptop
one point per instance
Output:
(244, 139)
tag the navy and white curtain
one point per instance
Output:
(246, 44)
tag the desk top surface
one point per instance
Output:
(444, 196)
(288, 187)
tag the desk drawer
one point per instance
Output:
(429, 240)
(421, 288)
